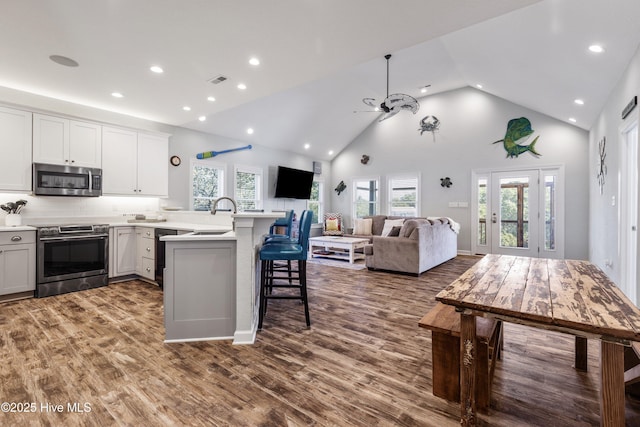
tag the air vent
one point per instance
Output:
(217, 79)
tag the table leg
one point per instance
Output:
(581, 354)
(351, 250)
(468, 364)
(611, 384)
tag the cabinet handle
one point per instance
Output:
(148, 249)
(148, 270)
(16, 238)
(148, 233)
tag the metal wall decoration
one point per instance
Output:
(602, 170)
(518, 130)
(446, 182)
(429, 124)
(340, 188)
(365, 159)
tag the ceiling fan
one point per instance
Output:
(393, 103)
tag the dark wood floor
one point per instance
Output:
(364, 362)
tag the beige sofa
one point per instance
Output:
(421, 244)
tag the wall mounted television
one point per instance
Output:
(293, 183)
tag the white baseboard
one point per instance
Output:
(464, 252)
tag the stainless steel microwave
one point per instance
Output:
(59, 180)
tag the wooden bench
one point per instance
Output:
(444, 323)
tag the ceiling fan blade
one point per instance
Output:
(371, 102)
(401, 101)
(389, 114)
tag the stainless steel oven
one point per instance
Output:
(71, 258)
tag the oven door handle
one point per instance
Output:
(92, 237)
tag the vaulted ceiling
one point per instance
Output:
(318, 59)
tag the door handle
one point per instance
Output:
(494, 218)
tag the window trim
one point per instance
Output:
(409, 175)
(321, 200)
(354, 194)
(256, 170)
(210, 165)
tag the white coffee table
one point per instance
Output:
(337, 247)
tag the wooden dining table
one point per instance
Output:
(569, 296)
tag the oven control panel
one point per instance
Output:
(73, 230)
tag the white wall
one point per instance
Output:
(187, 143)
(604, 216)
(470, 121)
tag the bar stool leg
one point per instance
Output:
(302, 274)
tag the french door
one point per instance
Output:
(518, 212)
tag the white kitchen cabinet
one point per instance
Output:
(134, 163)
(123, 254)
(153, 165)
(61, 141)
(145, 252)
(17, 262)
(15, 149)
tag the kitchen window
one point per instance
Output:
(316, 201)
(248, 187)
(207, 184)
(403, 195)
(365, 197)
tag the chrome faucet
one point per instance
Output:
(215, 203)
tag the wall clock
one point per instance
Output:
(175, 160)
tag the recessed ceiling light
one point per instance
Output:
(331, 152)
(242, 86)
(376, 109)
(572, 120)
(424, 88)
(250, 131)
(307, 146)
(479, 86)
(596, 48)
(156, 69)
(202, 118)
(210, 98)
(186, 108)
(579, 101)
(254, 61)
(63, 60)
(117, 94)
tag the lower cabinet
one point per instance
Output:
(123, 251)
(145, 252)
(17, 262)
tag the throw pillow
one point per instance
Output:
(332, 224)
(389, 224)
(395, 231)
(362, 227)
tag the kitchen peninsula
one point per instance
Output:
(210, 282)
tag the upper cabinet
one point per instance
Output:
(15, 150)
(61, 141)
(134, 163)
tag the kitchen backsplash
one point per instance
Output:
(75, 207)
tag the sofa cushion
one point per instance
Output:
(395, 231)
(377, 224)
(389, 224)
(410, 225)
(362, 226)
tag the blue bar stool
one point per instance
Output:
(286, 251)
(287, 222)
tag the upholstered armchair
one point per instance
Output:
(332, 224)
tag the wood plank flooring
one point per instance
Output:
(364, 362)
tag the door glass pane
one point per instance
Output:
(514, 212)
(550, 212)
(482, 211)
